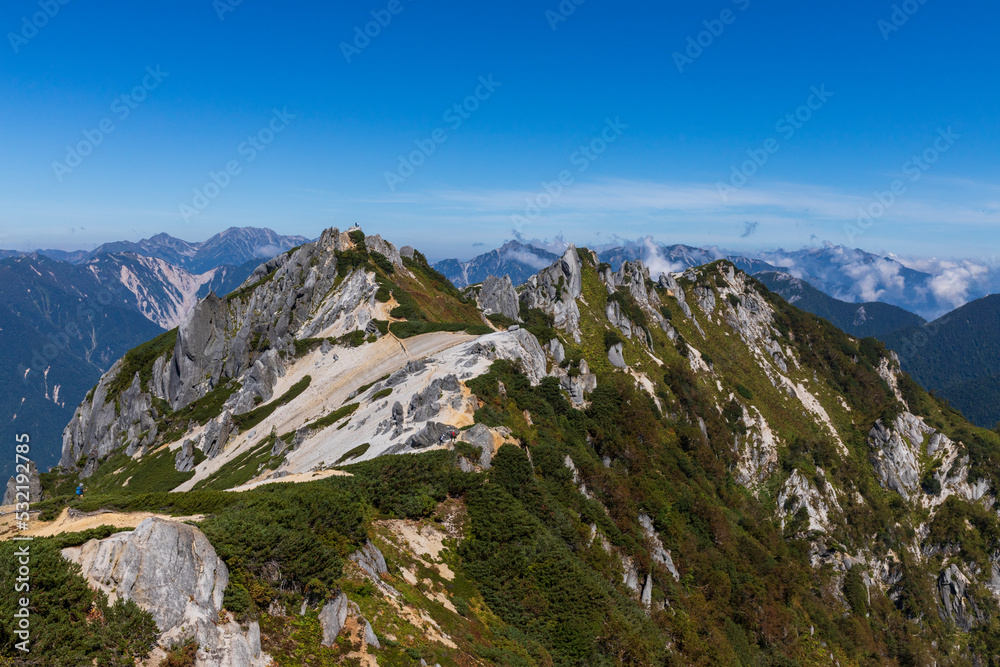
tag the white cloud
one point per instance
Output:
(267, 251)
(655, 262)
(525, 257)
(953, 284)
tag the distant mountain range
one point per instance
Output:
(161, 291)
(232, 247)
(514, 259)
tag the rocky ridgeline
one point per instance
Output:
(289, 297)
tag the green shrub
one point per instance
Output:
(502, 321)
(334, 417)
(611, 338)
(382, 262)
(415, 328)
(302, 530)
(61, 600)
(357, 452)
(181, 655)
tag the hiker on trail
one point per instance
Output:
(79, 490)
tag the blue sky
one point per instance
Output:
(671, 134)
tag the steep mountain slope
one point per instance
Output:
(958, 356)
(680, 471)
(164, 293)
(872, 319)
(514, 259)
(60, 330)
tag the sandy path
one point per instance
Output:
(332, 382)
(66, 524)
(300, 477)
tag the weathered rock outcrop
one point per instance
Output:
(956, 601)
(555, 291)
(171, 570)
(799, 493)
(433, 433)
(520, 345)
(33, 484)
(757, 450)
(184, 460)
(577, 385)
(497, 296)
(486, 439)
(333, 618)
(896, 452)
(371, 560)
(655, 546)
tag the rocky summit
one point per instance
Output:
(348, 460)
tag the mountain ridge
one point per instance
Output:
(634, 458)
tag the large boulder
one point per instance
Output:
(616, 356)
(171, 570)
(332, 618)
